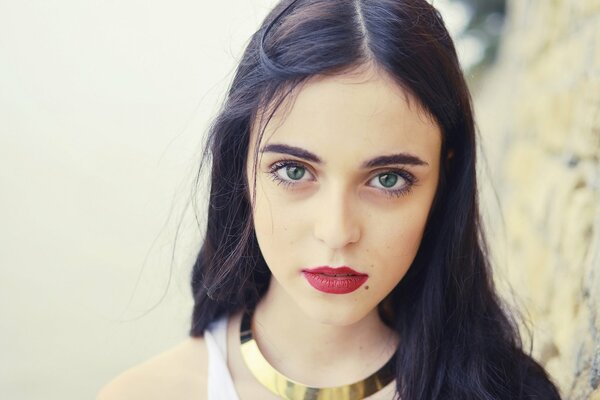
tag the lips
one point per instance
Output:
(343, 270)
(334, 280)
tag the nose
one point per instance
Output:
(337, 223)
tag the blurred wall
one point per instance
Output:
(539, 116)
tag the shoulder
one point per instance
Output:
(178, 373)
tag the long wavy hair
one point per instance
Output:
(459, 340)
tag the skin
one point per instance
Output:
(336, 213)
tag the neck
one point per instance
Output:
(315, 352)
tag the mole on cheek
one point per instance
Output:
(367, 287)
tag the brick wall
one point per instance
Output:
(538, 114)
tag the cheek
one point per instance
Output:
(396, 244)
(403, 230)
(278, 228)
(271, 214)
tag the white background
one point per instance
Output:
(103, 107)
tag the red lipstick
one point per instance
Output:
(334, 280)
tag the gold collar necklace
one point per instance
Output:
(293, 390)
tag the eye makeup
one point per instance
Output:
(410, 179)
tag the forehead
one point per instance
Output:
(358, 113)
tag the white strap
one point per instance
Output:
(220, 383)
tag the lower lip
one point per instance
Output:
(333, 284)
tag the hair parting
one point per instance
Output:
(458, 339)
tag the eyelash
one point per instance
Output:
(407, 176)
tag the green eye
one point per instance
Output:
(295, 172)
(388, 180)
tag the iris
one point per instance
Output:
(388, 180)
(295, 172)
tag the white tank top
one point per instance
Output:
(220, 384)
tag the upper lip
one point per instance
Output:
(343, 270)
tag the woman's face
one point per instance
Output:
(345, 178)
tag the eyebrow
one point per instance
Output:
(400, 158)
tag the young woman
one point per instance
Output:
(344, 256)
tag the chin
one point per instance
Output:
(334, 314)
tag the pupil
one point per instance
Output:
(388, 180)
(295, 172)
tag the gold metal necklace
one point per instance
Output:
(293, 390)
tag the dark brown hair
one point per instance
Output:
(458, 339)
